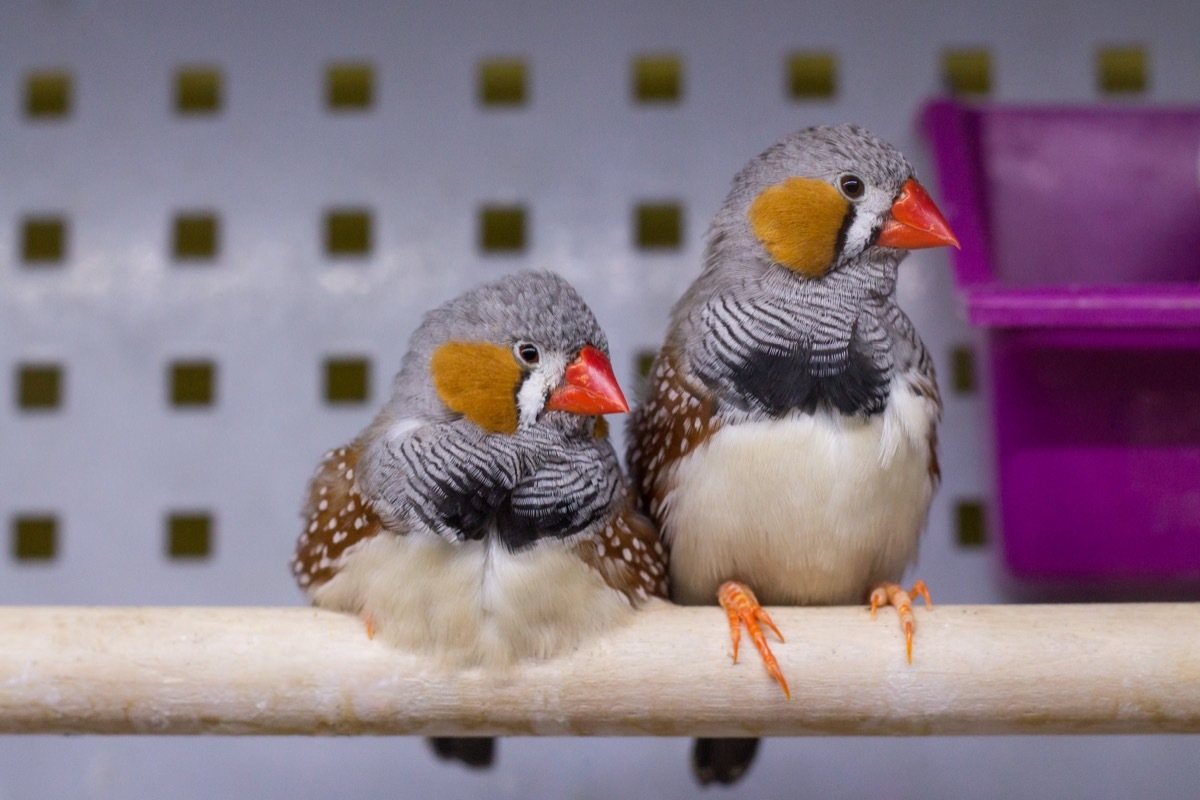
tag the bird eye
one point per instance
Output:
(527, 352)
(852, 186)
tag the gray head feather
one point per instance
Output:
(824, 152)
(734, 257)
(540, 307)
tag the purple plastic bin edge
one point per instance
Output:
(944, 123)
(953, 131)
(1094, 393)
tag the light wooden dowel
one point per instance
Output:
(976, 670)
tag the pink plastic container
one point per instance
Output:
(1080, 233)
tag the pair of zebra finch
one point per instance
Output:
(785, 450)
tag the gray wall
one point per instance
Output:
(116, 458)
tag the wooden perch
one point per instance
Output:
(976, 670)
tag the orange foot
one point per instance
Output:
(370, 626)
(894, 595)
(742, 606)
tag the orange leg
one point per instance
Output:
(742, 606)
(370, 626)
(893, 594)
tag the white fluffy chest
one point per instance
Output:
(806, 510)
(473, 603)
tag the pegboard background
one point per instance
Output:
(116, 458)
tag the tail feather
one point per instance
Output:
(477, 752)
(722, 761)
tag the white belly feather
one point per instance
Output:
(473, 603)
(806, 510)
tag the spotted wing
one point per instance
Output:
(628, 553)
(336, 519)
(675, 419)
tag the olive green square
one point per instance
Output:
(970, 524)
(47, 95)
(189, 536)
(967, 72)
(350, 86)
(193, 384)
(198, 91)
(658, 226)
(35, 538)
(347, 381)
(657, 79)
(348, 233)
(812, 76)
(502, 229)
(39, 387)
(1122, 70)
(43, 241)
(195, 237)
(963, 377)
(645, 361)
(503, 82)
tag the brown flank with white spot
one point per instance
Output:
(336, 519)
(628, 554)
(674, 420)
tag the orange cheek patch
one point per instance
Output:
(797, 222)
(478, 380)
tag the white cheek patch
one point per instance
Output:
(869, 213)
(543, 379)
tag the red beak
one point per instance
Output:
(915, 222)
(590, 387)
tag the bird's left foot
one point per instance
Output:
(893, 594)
(742, 607)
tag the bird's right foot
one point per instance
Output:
(742, 607)
(893, 594)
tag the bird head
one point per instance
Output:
(825, 197)
(521, 351)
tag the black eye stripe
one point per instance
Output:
(847, 221)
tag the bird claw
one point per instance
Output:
(741, 606)
(893, 594)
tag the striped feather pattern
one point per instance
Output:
(840, 336)
(450, 480)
